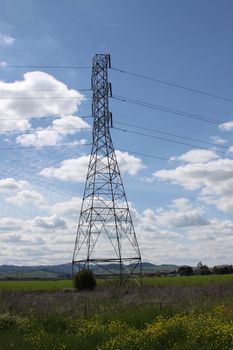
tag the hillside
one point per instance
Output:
(63, 270)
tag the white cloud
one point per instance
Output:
(16, 125)
(3, 64)
(20, 193)
(10, 224)
(214, 180)
(69, 170)
(6, 40)
(129, 163)
(75, 169)
(216, 230)
(31, 97)
(218, 140)
(53, 134)
(50, 223)
(69, 209)
(197, 156)
(50, 239)
(41, 137)
(69, 125)
(196, 175)
(228, 126)
(25, 197)
(35, 90)
(182, 214)
(10, 184)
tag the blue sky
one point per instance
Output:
(182, 210)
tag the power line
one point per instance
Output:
(44, 146)
(38, 97)
(45, 118)
(172, 160)
(34, 130)
(121, 150)
(166, 139)
(126, 124)
(166, 109)
(171, 134)
(132, 132)
(45, 67)
(43, 90)
(165, 82)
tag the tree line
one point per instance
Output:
(203, 269)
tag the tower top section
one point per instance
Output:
(103, 60)
(102, 90)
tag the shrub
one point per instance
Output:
(84, 280)
(185, 270)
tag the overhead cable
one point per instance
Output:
(165, 82)
(166, 109)
(166, 139)
(171, 134)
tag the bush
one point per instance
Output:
(185, 270)
(84, 280)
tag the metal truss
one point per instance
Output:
(106, 241)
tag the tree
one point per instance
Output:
(84, 280)
(202, 269)
(223, 269)
(185, 270)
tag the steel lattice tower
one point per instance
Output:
(106, 241)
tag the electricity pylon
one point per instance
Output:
(106, 241)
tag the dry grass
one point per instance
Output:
(106, 299)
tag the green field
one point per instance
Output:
(187, 313)
(34, 285)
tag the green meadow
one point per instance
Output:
(36, 285)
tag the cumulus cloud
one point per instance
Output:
(10, 184)
(38, 94)
(10, 224)
(216, 230)
(197, 156)
(3, 64)
(218, 140)
(50, 223)
(53, 134)
(25, 197)
(75, 169)
(41, 137)
(69, 209)
(69, 125)
(50, 239)
(213, 179)
(20, 193)
(194, 176)
(228, 126)
(6, 40)
(182, 214)
(17, 125)
(129, 163)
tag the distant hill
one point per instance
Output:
(65, 270)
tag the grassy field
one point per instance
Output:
(187, 313)
(36, 285)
